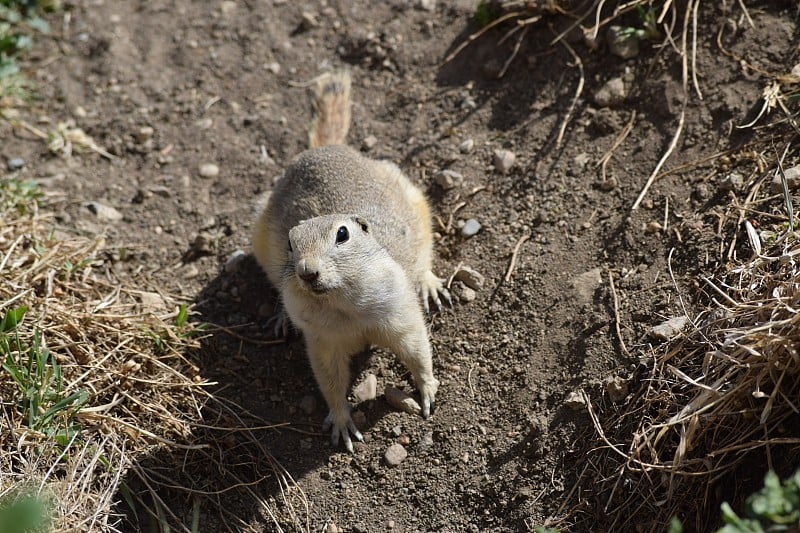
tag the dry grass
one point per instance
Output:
(127, 389)
(721, 403)
(718, 406)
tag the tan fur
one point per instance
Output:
(365, 290)
(331, 105)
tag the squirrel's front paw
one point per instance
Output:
(431, 288)
(342, 425)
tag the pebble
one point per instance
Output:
(273, 67)
(466, 146)
(617, 388)
(308, 404)
(575, 401)
(104, 212)
(669, 329)
(144, 134)
(471, 227)
(204, 123)
(402, 401)
(152, 302)
(427, 5)
(330, 527)
(470, 277)
(208, 170)
(447, 179)
(465, 294)
(425, 441)
(15, 163)
(395, 454)
(234, 261)
(308, 20)
(367, 389)
(191, 272)
(608, 185)
(586, 284)
(611, 93)
(503, 160)
(732, 182)
(359, 419)
(792, 179)
(369, 142)
(653, 227)
(622, 43)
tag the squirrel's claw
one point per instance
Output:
(280, 323)
(343, 430)
(431, 288)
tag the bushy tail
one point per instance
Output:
(331, 119)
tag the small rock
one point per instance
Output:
(308, 404)
(466, 146)
(15, 163)
(144, 134)
(390, 524)
(622, 42)
(464, 293)
(369, 142)
(617, 388)
(234, 261)
(611, 93)
(427, 5)
(208, 170)
(227, 7)
(104, 212)
(581, 160)
(608, 184)
(397, 431)
(367, 389)
(308, 20)
(402, 401)
(273, 67)
(191, 272)
(330, 527)
(503, 160)
(586, 284)
(204, 123)
(792, 179)
(447, 179)
(395, 454)
(152, 302)
(471, 227)
(653, 227)
(425, 441)
(733, 181)
(359, 419)
(404, 440)
(669, 329)
(470, 277)
(575, 401)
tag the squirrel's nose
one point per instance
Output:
(306, 272)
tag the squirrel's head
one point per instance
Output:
(328, 253)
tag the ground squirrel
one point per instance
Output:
(347, 241)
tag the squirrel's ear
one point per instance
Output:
(363, 223)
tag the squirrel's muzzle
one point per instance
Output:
(308, 271)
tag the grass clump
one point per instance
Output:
(20, 20)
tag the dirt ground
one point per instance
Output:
(217, 83)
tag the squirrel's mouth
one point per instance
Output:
(314, 287)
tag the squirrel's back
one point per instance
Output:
(331, 177)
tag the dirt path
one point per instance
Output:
(169, 86)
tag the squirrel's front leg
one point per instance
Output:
(332, 371)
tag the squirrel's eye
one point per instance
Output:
(342, 235)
